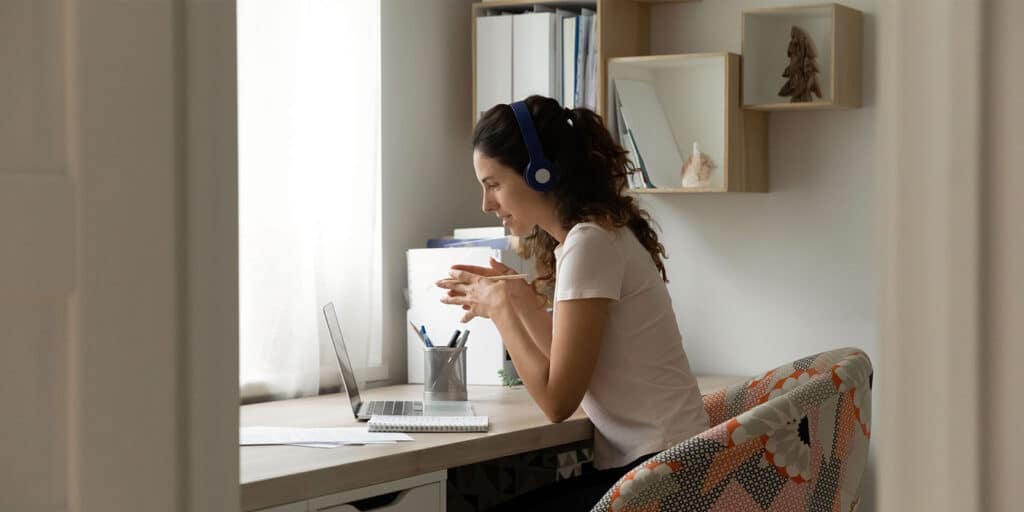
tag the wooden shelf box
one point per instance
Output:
(699, 94)
(622, 29)
(836, 32)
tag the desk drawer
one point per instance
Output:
(425, 498)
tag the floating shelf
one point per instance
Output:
(836, 32)
(622, 29)
(699, 95)
(673, 190)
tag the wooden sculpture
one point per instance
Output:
(802, 70)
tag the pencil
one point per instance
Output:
(504, 277)
(507, 277)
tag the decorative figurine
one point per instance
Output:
(802, 70)
(697, 169)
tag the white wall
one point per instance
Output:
(428, 186)
(764, 278)
(761, 279)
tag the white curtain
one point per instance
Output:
(309, 190)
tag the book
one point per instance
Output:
(633, 179)
(645, 176)
(483, 232)
(582, 39)
(641, 179)
(494, 243)
(590, 73)
(650, 130)
(428, 424)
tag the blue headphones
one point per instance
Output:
(539, 173)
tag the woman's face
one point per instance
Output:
(507, 195)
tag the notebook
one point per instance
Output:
(428, 424)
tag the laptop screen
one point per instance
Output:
(347, 375)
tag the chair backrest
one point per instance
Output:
(794, 438)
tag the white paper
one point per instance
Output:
(324, 445)
(261, 435)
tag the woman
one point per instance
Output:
(556, 178)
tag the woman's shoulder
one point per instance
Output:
(592, 229)
(589, 237)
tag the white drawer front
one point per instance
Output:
(425, 498)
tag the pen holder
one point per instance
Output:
(444, 373)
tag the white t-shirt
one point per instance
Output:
(642, 398)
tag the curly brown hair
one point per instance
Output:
(592, 175)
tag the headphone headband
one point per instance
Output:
(539, 173)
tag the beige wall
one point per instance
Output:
(759, 279)
(428, 186)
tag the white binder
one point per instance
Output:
(569, 50)
(493, 61)
(534, 65)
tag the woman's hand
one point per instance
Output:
(469, 288)
(497, 268)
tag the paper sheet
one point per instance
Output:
(315, 437)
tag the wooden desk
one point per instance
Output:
(271, 475)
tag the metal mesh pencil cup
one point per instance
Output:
(444, 373)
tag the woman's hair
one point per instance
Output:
(591, 171)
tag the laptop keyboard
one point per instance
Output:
(395, 408)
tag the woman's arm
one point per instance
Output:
(536, 319)
(555, 358)
(557, 380)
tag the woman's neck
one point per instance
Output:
(554, 228)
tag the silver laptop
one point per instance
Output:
(363, 410)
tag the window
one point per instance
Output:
(309, 191)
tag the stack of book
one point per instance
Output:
(543, 50)
(644, 132)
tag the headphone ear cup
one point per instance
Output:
(539, 173)
(540, 179)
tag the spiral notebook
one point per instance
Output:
(379, 423)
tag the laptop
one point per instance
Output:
(363, 410)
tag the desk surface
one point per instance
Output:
(272, 475)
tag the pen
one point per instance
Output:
(462, 339)
(419, 334)
(426, 339)
(455, 339)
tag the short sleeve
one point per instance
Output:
(590, 265)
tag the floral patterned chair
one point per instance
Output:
(795, 438)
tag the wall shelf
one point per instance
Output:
(837, 34)
(622, 29)
(699, 95)
(673, 190)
